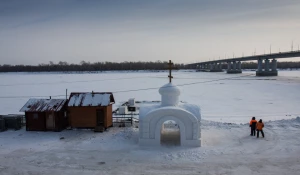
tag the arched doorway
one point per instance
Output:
(170, 133)
(151, 127)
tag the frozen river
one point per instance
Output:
(222, 97)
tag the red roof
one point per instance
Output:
(43, 105)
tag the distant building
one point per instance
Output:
(91, 110)
(45, 114)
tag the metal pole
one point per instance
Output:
(131, 117)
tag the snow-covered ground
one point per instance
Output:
(226, 149)
(227, 104)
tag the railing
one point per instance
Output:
(14, 121)
(124, 119)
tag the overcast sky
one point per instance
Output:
(185, 31)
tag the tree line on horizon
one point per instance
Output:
(87, 66)
(114, 66)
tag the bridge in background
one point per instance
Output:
(234, 64)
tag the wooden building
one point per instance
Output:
(91, 110)
(45, 114)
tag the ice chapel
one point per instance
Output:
(152, 119)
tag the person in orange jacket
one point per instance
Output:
(259, 127)
(253, 126)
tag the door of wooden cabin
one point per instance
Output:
(100, 118)
(50, 121)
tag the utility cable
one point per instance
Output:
(134, 90)
(186, 84)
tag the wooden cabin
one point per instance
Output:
(45, 114)
(91, 110)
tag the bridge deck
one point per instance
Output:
(256, 57)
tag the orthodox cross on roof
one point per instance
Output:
(170, 64)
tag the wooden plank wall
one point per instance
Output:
(109, 121)
(85, 117)
(35, 124)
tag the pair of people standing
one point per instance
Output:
(258, 126)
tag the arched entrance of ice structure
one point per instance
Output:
(170, 133)
(187, 122)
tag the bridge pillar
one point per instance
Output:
(267, 71)
(202, 68)
(274, 65)
(215, 67)
(220, 66)
(228, 66)
(235, 68)
(234, 65)
(259, 65)
(239, 67)
(267, 62)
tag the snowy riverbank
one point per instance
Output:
(226, 149)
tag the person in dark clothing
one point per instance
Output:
(259, 127)
(253, 126)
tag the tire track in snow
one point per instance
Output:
(271, 141)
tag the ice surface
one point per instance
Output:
(231, 100)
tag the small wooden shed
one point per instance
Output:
(45, 114)
(91, 110)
